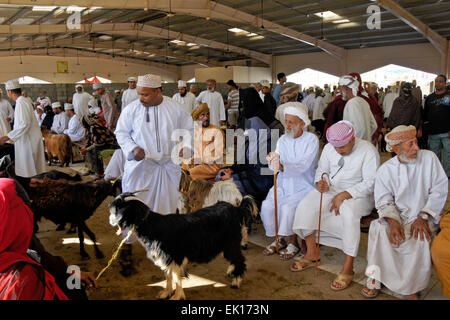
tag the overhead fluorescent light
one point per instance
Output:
(251, 34)
(194, 48)
(151, 55)
(105, 37)
(191, 44)
(235, 30)
(43, 8)
(257, 38)
(347, 25)
(91, 9)
(340, 21)
(328, 15)
(178, 42)
(239, 32)
(75, 9)
(59, 11)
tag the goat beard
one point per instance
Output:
(119, 231)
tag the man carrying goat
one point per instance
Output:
(144, 132)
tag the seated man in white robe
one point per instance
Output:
(295, 158)
(410, 193)
(75, 130)
(351, 165)
(61, 120)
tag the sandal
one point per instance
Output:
(289, 252)
(270, 249)
(342, 279)
(370, 296)
(306, 264)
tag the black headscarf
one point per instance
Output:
(253, 106)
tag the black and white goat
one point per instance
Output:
(173, 240)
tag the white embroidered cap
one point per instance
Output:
(132, 79)
(12, 84)
(56, 105)
(149, 81)
(181, 84)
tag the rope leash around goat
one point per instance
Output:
(119, 231)
(114, 256)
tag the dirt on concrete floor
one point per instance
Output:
(267, 277)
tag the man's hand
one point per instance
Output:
(397, 233)
(421, 227)
(3, 140)
(138, 153)
(83, 151)
(274, 161)
(225, 174)
(322, 186)
(88, 280)
(337, 201)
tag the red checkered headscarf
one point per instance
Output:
(340, 133)
(399, 135)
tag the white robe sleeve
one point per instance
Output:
(187, 123)
(199, 99)
(123, 133)
(384, 197)
(370, 164)
(437, 195)
(221, 109)
(357, 121)
(22, 122)
(324, 163)
(304, 159)
(10, 110)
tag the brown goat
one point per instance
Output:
(58, 145)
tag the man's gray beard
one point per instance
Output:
(402, 157)
(292, 132)
(211, 89)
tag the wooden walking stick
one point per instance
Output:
(276, 208)
(318, 239)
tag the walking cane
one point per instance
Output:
(276, 208)
(318, 239)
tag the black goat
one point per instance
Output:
(172, 240)
(62, 201)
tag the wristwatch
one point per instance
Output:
(424, 216)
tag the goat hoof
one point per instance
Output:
(244, 247)
(164, 294)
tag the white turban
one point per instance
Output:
(39, 107)
(350, 82)
(132, 79)
(12, 84)
(265, 83)
(116, 91)
(68, 106)
(181, 84)
(298, 112)
(149, 81)
(97, 85)
(56, 105)
(78, 86)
